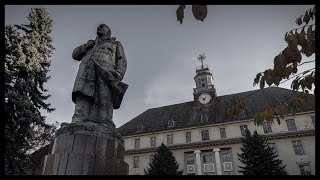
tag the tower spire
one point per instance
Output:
(201, 58)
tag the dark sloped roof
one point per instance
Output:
(156, 119)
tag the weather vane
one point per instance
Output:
(201, 58)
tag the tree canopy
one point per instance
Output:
(258, 157)
(28, 48)
(163, 163)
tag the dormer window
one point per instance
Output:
(139, 128)
(171, 123)
(243, 113)
(204, 118)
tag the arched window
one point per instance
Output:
(203, 82)
(171, 123)
(139, 128)
(243, 113)
(204, 118)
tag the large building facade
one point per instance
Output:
(205, 140)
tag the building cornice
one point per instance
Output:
(236, 140)
(203, 126)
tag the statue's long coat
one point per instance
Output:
(105, 57)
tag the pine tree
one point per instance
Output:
(27, 52)
(258, 157)
(163, 163)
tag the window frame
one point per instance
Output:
(203, 137)
(169, 139)
(136, 143)
(243, 130)
(188, 138)
(204, 120)
(224, 133)
(298, 147)
(153, 141)
(171, 123)
(313, 118)
(136, 160)
(274, 148)
(266, 126)
(291, 125)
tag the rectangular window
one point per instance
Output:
(226, 156)
(313, 119)
(153, 141)
(151, 158)
(169, 139)
(305, 169)
(188, 137)
(137, 143)
(267, 127)
(207, 157)
(273, 146)
(205, 135)
(136, 162)
(243, 130)
(223, 133)
(297, 146)
(291, 124)
(190, 158)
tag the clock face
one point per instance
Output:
(204, 98)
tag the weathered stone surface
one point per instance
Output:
(122, 167)
(120, 151)
(74, 165)
(90, 144)
(88, 164)
(85, 154)
(98, 88)
(49, 161)
(63, 160)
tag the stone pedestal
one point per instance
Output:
(86, 149)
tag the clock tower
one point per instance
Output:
(204, 94)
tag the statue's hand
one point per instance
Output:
(116, 75)
(89, 44)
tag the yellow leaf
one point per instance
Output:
(306, 17)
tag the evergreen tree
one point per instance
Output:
(258, 157)
(27, 52)
(163, 163)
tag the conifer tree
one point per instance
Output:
(163, 163)
(27, 51)
(258, 157)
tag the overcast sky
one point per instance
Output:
(239, 42)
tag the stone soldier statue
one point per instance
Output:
(98, 88)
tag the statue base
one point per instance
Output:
(86, 149)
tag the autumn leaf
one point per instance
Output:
(180, 13)
(302, 38)
(299, 21)
(306, 17)
(256, 80)
(199, 12)
(295, 84)
(309, 33)
(262, 82)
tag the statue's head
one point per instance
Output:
(103, 30)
